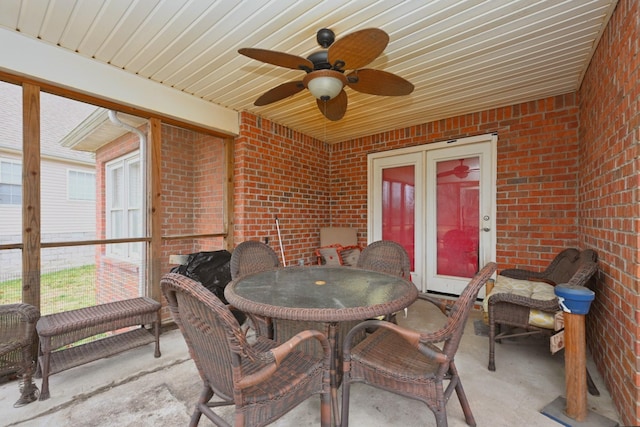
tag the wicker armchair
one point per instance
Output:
(529, 304)
(17, 341)
(388, 257)
(263, 380)
(414, 364)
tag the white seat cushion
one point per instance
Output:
(526, 288)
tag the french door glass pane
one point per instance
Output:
(398, 207)
(457, 204)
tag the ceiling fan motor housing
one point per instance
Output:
(325, 37)
(320, 60)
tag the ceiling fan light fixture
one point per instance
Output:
(325, 84)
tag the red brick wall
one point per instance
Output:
(192, 189)
(209, 182)
(609, 209)
(283, 173)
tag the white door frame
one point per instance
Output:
(486, 228)
(411, 155)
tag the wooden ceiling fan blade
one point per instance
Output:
(282, 91)
(280, 59)
(358, 49)
(335, 108)
(377, 82)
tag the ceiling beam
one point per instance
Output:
(42, 62)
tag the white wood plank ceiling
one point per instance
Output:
(462, 56)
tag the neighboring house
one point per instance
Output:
(68, 189)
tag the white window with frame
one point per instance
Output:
(81, 185)
(10, 182)
(124, 205)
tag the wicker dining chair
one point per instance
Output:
(527, 305)
(414, 364)
(264, 380)
(252, 256)
(386, 256)
(17, 341)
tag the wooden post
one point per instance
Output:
(575, 366)
(154, 206)
(228, 197)
(31, 195)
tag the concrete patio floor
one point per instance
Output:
(135, 389)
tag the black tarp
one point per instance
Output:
(212, 269)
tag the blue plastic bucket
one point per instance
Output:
(574, 299)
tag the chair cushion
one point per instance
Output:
(338, 255)
(349, 255)
(530, 289)
(329, 255)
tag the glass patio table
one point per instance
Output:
(321, 294)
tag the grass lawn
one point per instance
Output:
(61, 290)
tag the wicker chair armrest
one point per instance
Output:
(28, 312)
(543, 305)
(414, 338)
(17, 326)
(18, 321)
(443, 305)
(278, 354)
(584, 273)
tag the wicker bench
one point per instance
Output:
(57, 331)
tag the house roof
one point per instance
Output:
(97, 130)
(59, 116)
(462, 56)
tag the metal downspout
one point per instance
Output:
(113, 116)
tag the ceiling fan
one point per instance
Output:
(326, 69)
(461, 171)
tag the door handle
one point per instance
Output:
(486, 229)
